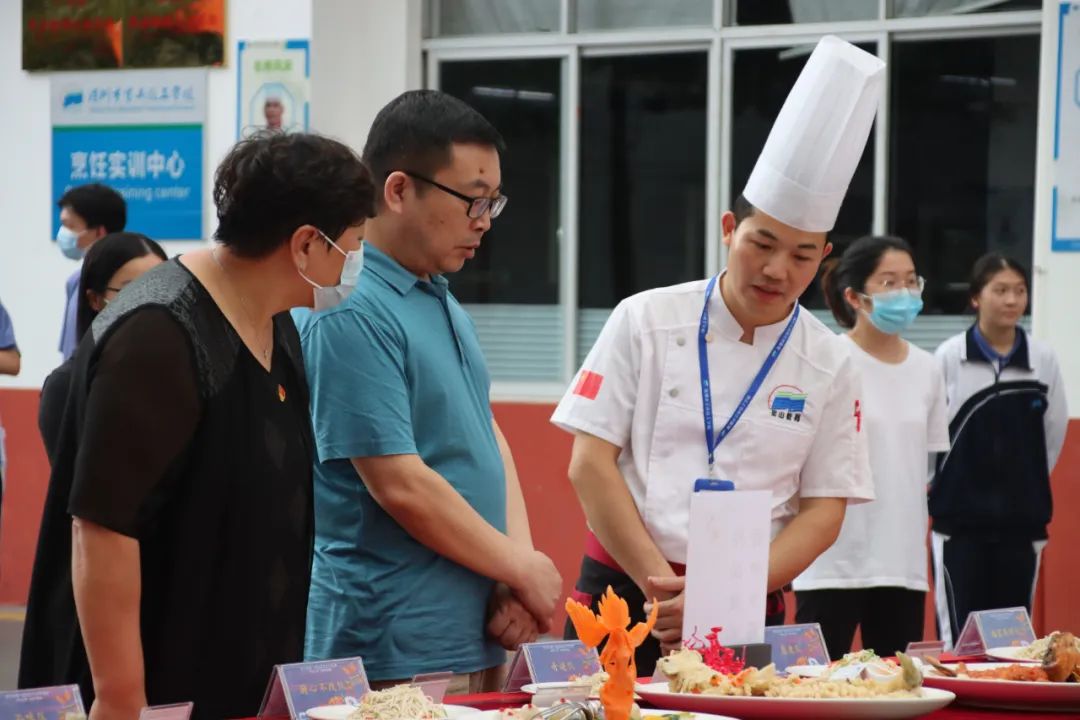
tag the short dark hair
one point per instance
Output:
(272, 183)
(99, 205)
(742, 209)
(853, 269)
(103, 259)
(988, 266)
(415, 132)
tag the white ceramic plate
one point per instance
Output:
(341, 712)
(1007, 694)
(645, 712)
(931, 699)
(1009, 654)
(534, 688)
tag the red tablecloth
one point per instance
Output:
(494, 701)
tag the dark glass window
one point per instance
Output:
(493, 17)
(518, 262)
(962, 156)
(642, 202)
(779, 12)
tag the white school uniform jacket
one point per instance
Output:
(1007, 427)
(640, 389)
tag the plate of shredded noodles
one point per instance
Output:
(403, 702)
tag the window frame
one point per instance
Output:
(721, 42)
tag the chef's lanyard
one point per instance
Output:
(711, 442)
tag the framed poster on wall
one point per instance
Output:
(273, 85)
(113, 34)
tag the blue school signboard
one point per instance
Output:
(139, 132)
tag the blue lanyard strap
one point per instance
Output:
(711, 441)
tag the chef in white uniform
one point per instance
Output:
(783, 395)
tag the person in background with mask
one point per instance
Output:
(87, 214)
(423, 557)
(874, 576)
(111, 263)
(10, 364)
(185, 452)
(990, 499)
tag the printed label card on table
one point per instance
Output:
(797, 645)
(62, 702)
(985, 629)
(294, 689)
(560, 661)
(931, 648)
(179, 711)
(727, 566)
(433, 685)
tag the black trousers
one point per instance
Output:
(890, 617)
(594, 580)
(979, 574)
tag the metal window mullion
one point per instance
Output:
(434, 18)
(727, 194)
(881, 145)
(634, 36)
(642, 49)
(713, 165)
(568, 241)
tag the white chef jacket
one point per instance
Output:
(640, 389)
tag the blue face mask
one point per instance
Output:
(894, 311)
(68, 242)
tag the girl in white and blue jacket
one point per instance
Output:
(990, 500)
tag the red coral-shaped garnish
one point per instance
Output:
(716, 656)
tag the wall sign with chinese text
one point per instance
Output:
(1065, 198)
(139, 132)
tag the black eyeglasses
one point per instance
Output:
(477, 205)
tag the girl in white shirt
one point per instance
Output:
(875, 575)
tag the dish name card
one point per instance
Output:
(296, 688)
(61, 702)
(985, 629)
(179, 711)
(797, 645)
(548, 662)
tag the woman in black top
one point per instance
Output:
(185, 454)
(111, 264)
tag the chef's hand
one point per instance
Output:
(508, 621)
(669, 618)
(538, 587)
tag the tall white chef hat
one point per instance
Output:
(805, 168)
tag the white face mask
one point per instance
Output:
(332, 296)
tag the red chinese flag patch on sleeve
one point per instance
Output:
(588, 384)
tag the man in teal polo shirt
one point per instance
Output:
(423, 557)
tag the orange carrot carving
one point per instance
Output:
(617, 657)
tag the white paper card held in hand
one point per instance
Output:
(727, 565)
